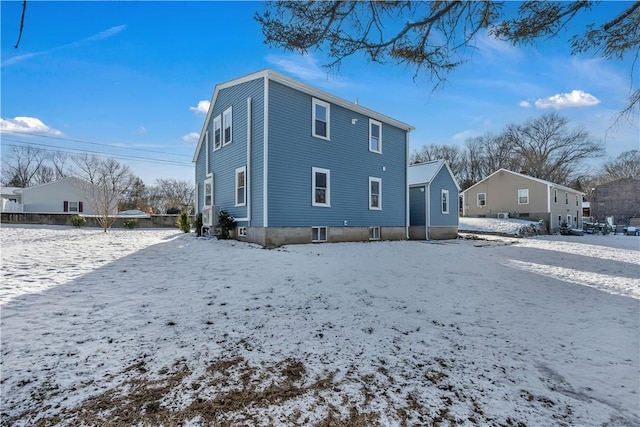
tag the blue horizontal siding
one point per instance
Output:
(293, 152)
(417, 206)
(443, 181)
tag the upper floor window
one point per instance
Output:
(577, 198)
(523, 196)
(482, 200)
(321, 187)
(217, 132)
(227, 122)
(375, 193)
(241, 186)
(445, 201)
(555, 196)
(321, 114)
(375, 136)
(566, 198)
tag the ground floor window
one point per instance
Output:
(319, 234)
(242, 231)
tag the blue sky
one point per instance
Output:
(130, 79)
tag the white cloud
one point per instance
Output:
(305, 67)
(191, 137)
(202, 107)
(575, 98)
(524, 104)
(142, 130)
(31, 125)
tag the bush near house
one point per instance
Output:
(184, 222)
(78, 221)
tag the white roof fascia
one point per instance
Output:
(302, 87)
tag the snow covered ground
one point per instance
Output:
(155, 327)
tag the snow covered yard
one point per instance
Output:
(154, 327)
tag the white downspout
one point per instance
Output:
(428, 196)
(248, 177)
(407, 220)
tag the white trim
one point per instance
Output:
(217, 120)
(229, 112)
(523, 189)
(241, 170)
(247, 181)
(379, 181)
(478, 200)
(372, 233)
(407, 213)
(542, 181)
(327, 196)
(267, 74)
(327, 107)
(428, 211)
(319, 227)
(265, 154)
(445, 209)
(206, 157)
(379, 124)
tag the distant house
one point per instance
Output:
(433, 201)
(515, 195)
(294, 164)
(11, 199)
(66, 195)
(619, 199)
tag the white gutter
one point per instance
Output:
(406, 178)
(265, 160)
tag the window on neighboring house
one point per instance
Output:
(217, 132)
(555, 196)
(577, 200)
(241, 187)
(321, 185)
(375, 193)
(375, 136)
(374, 233)
(566, 198)
(482, 200)
(319, 234)
(569, 220)
(523, 197)
(227, 121)
(72, 206)
(320, 119)
(445, 201)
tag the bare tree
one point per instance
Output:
(546, 148)
(106, 181)
(22, 164)
(626, 165)
(177, 193)
(435, 37)
(58, 161)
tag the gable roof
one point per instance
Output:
(531, 178)
(271, 75)
(424, 173)
(70, 178)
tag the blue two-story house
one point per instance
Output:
(294, 164)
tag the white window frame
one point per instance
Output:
(207, 182)
(374, 233)
(444, 201)
(569, 219)
(242, 231)
(379, 181)
(373, 123)
(75, 208)
(327, 172)
(481, 205)
(526, 190)
(242, 170)
(217, 132)
(227, 123)
(566, 197)
(577, 198)
(555, 195)
(327, 108)
(316, 234)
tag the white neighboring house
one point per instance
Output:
(66, 195)
(11, 199)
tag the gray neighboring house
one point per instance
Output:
(508, 194)
(619, 199)
(433, 201)
(61, 196)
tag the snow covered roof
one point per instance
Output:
(424, 173)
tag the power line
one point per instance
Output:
(95, 143)
(53, 148)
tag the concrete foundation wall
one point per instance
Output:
(278, 236)
(435, 233)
